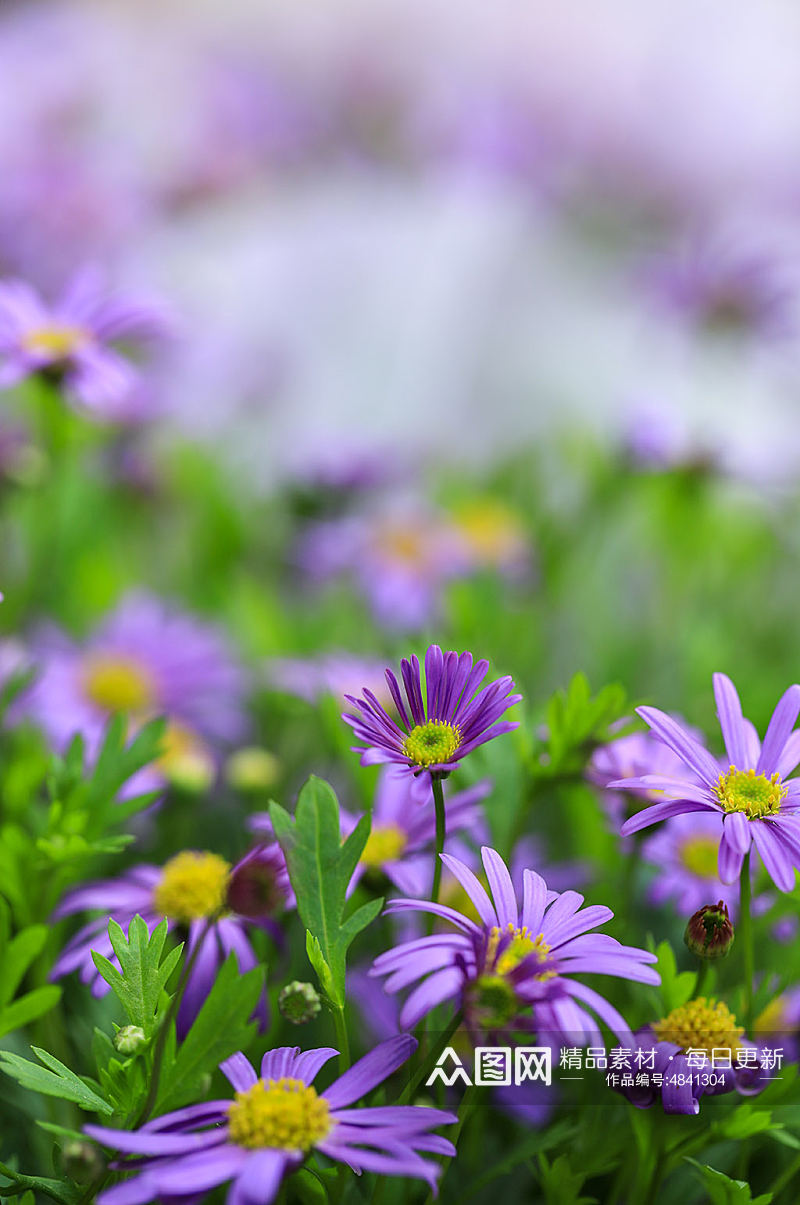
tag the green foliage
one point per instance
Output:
(724, 1191)
(222, 1027)
(321, 866)
(676, 986)
(52, 1079)
(17, 955)
(560, 1184)
(143, 976)
(577, 723)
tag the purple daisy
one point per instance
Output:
(73, 339)
(514, 967)
(455, 718)
(753, 797)
(697, 1050)
(146, 659)
(196, 891)
(685, 853)
(273, 1122)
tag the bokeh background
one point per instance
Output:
(419, 254)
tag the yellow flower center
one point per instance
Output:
(282, 1113)
(385, 843)
(702, 1024)
(751, 793)
(520, 947)
(193, 885)
(773, 1019)
(184, 759)
(58, 341)
(432, 743)
(492, 530)
(118, 684)
(403, 542)
(699, 855)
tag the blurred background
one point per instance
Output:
(533, 261)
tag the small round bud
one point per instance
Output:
(709, 933)
(299, 1002)
(130, 1039)
(82, 1161)
(259, 884)
(252, 769)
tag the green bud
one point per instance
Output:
(130, 1039)
(299, 1002)
(82, 1161)
(252, 769)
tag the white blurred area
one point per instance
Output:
(459, 269)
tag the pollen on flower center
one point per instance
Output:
(751, 793)
(432, 743)
(193, 885)
(702, 1024)
(118, 684)
(699, 855)
(385, 843)
(520, 946)
(282, 1113)
(58, 341)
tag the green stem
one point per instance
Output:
(787, 1175)
(745, 936)
(438, 801)
(465, 1108)
(342, 1040)
(702, 977)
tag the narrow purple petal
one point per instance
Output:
(783, 721)
(774, 854)
(473, 888)
(239, 1072)
(663, 811)
(729, 710)
(370, 1070)
(737, 831)
(503, 894)
(682, 743)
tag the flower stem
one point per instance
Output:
(702, 978)
(745, 936)
(430, 1062)
(438, 801)
(342, 1040)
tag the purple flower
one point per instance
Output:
(400, 559)
(193, 890)
(146, 659)
(686, 1056)
(632, 756)
(402, 836)
(753, 797)
(515, 965)
(335, 674)
(455, 718)
(273, 1123)
(685, 854)
(74, 340)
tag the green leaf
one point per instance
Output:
(745, 1121)
(28, 1007)
(54, 1079)
(57, 1190)
(676, 987)
(221, 1028)
(724, 1191)
(321, 866)
(143, 976)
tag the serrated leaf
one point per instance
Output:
(222, 1027)
(142, 976)
(676, 987)
(58, 1190)
(321, 866)
(54, 1079)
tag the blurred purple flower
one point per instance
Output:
(74, 339)
(334, 674)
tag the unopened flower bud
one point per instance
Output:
(82, 1161)
(129, 1039)
(252, 769)
(259, 884)
(709, 933)
(299, 1002)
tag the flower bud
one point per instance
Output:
(299, 1002)
(252, 769)
(130, 1039)
(82, 1161)
(709, 933)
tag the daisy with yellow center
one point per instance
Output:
(56, 341)
(702, 1024)
(193, 886)
(432, 743)
(285, 1113)
(751, 793)
(117, 683)
(699, 856)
